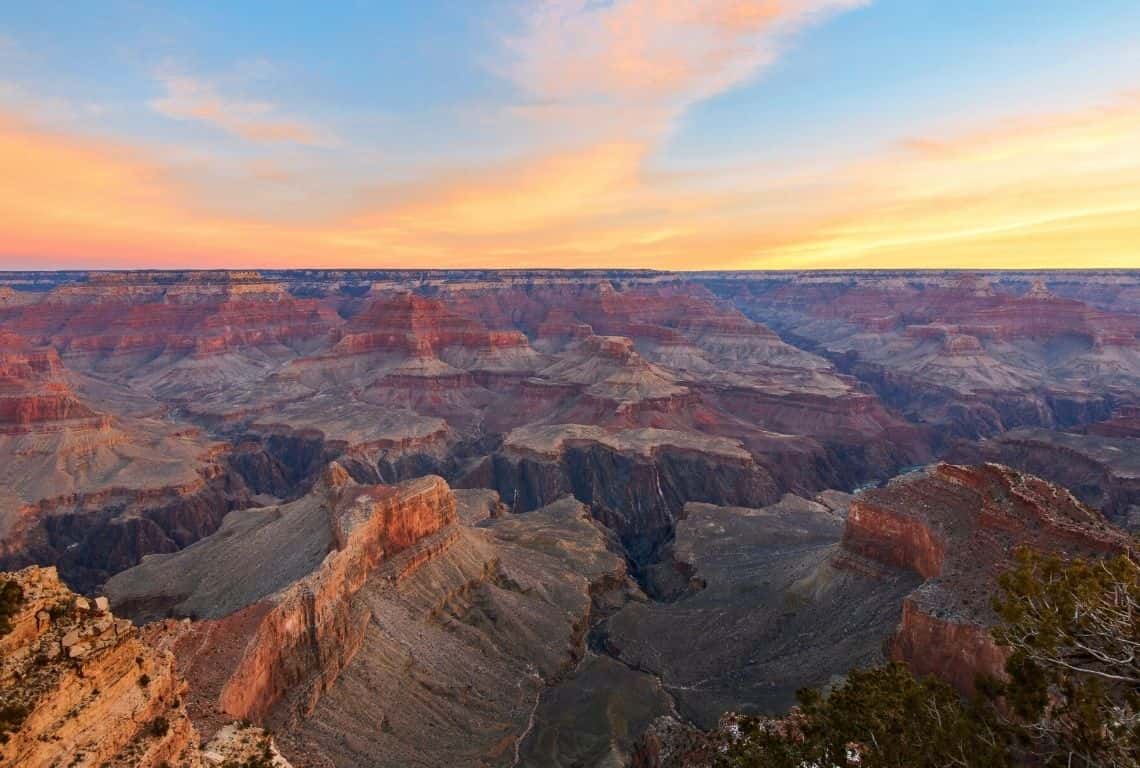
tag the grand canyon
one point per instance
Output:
(528, 518)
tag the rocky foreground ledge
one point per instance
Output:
(79, 687)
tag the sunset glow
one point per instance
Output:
(569, 133)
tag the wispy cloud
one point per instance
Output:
(189, 98)
(598, 86)
(1047, 191)
(650, 58)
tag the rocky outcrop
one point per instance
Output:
(78, 686)
(894, 539)
(1100, 467)
(373, 610)
(312, 629)
(467, 652)
(293, 627)
(935, 641)
(957, 528)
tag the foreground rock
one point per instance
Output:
(79, 687)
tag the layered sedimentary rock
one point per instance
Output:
(970, 354)
(89, 491)
(635, 481)
(957, 527)
(1101, 467)
(86, 690)
(113, 319)
(254, 449)
(357, 616)
(230, 390)
(456, 663)
(291, 619)
(80, 687)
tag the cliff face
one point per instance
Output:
(292, 626)
(634, 481)
(86, 690)
(312, 628)
(893, 539)
(934, 642)
(957, 528)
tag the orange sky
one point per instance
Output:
(1051, 188)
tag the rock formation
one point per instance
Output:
(425, 603)
(972, 361)
(80, 687)
(480, 518)
(1101, 467)
(957, 528)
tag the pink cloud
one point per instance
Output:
(188, 98)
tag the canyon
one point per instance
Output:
(525, 518)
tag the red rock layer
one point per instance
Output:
(295, 643)
(967, 307)
(893, 539)
(957, 527)
(959, 652)
(116, 315)
(33, 387)
(417, 326)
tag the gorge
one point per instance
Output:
(524, 518)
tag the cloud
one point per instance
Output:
(651, 55)
(188, 98)
(1059, 190)
(568, 185)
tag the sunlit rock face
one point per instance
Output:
(957, 527)
(82, 687)
(526, 518)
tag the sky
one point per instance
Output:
(667, 134)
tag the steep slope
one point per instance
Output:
(356, 614)
(765, 601)
(1101, 467)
